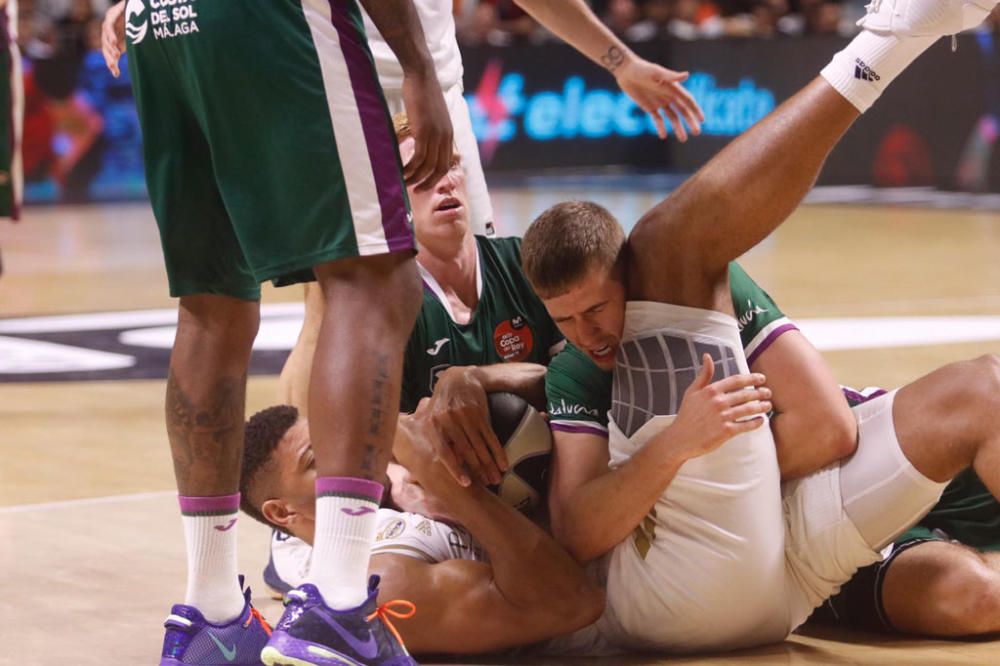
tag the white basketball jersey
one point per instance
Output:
(397, 533)
(426, 539)
(705, 568)
(439, 31)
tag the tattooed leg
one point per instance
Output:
(371, 304)
(206, 392)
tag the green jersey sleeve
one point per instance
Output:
(760, 319)
(578, 393)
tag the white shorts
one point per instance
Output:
(480, 207)
(840, 518)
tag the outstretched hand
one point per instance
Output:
(113, 37)
(711, 413)
(658, 91)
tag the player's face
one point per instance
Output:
(443, 206)
(592, 315)
(294, 486)
(294, 483)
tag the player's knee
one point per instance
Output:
(973, 606)
(230, 323)
(978, 393)
(388, 284)
(988, 376)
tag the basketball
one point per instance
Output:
(526, 438)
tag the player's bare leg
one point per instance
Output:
(939, 588)
(686, 243)
(205, 404)
(293, 383)
(371, 304)
(950, 419)
(683, 246)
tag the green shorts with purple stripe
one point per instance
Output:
(267, 142)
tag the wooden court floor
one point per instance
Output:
(90, 546)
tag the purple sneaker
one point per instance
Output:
(193, 640)
(312, 634)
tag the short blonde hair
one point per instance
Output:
(566, 241)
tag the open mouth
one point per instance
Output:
(603, 351)
(449, 204)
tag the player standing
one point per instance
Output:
(270, 156)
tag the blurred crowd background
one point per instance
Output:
(82, 140)
(502, 22)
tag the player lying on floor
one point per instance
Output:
(941, 578)
(937, 587)
(483, 576)
(427, 556)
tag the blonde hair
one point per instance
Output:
(401, 124)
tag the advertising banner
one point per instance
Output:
(547, 107)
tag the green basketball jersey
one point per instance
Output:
(579, 393)
(510, 324)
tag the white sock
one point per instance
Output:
(346, 509)
(869, 64)
(210, 533)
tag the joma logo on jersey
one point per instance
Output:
(513, 339)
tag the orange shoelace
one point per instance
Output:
(388, 609)
(254, 613)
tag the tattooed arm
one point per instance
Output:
(653, 88)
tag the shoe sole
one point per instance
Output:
(271, 656)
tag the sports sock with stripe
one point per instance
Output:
(346, 509)
(210, 534)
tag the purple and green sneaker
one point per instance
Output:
(191, 640)
(312, 634)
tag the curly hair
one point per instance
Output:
(262, 434)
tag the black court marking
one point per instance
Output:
(80, 348)
(653, 372)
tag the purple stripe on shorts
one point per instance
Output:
(566, 427)
(859, 398)
(382, 148)
(769, 340)
(349, 486)
(209, 506)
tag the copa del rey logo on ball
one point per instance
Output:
(168, 18)
(513, 339)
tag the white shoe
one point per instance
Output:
(925, 17)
